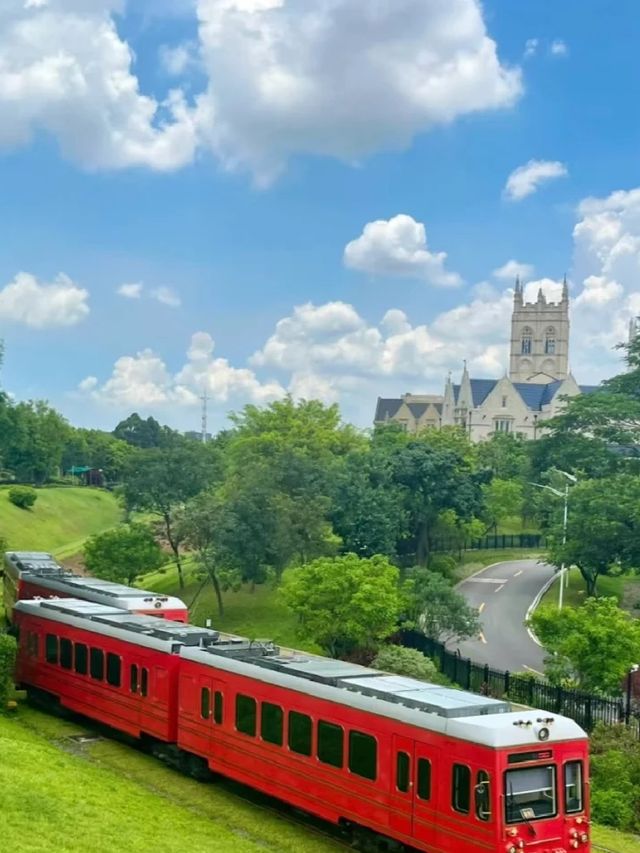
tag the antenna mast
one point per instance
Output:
(204, 399)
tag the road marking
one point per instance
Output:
(482, 638)
(518, 573)
(481, 608)
(500, 587)
(531, 669)
(486, 580)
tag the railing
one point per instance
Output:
(586, 709)
(494, 541)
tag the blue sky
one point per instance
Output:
(231, 204)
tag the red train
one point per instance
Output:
(33, 574)
(398, 762)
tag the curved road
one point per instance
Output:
(503, 593)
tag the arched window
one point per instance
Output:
(527, 335)
(550, 341)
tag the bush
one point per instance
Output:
(409, 662)
(615, 777)
(23, 496)
(8, 649)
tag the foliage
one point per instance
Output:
(596, 643)
(123, 553)
(8, 649)
(603, 532)
(615, 777)
(408, 662)
(344, 603)
(32, 440)
(506, 455)
(23, 496)
(144, 434)
(432, 605)
(502, 499)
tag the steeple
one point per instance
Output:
(565, 290)
(448, 403)
(465, 397)
(541, 299)
(517, 293)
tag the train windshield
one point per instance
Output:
(530, 793)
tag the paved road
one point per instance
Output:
(503, 594)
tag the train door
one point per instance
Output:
(402, 786)
(426, 794)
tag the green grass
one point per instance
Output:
(106, 797)
(605, 839)
(60, 520)
(575, 594)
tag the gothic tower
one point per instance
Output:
(539, 338)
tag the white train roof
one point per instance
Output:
(456, 713)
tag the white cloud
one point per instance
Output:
(530, 48)
(550, 287)
(88, 384)
(558, 48)
(65, 70)
(131, 291)
(39, 305)
(338, 78)
(398, 247)
(526, 179)
(511, 270)
(166, 296)
(179, 59)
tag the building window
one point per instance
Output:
(271, 723)
(527, 336)
(461, 788)
(299, 733)
(363, 755)
(504, 402)
(424, 778)
(246, 715)
(66, 653)
(503, 425)
(330, 744)
(550, 341)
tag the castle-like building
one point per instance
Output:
(521, 401)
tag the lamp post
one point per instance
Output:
(565, 495)
(627, 713)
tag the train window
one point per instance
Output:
(363, 755)
(81, 658)
(133, 678)
(461, 788)
(530, 792)
(330, 744)
(144, 681)
(483, 796)
(271, 723)
(113, 669)
(402, 772)
(66, 653)
(205, 703)
(51, 648)
(32, 645)
(246, 714)
(424, 778)
(573, 787)
(300, 733)
(96, 664)
(217, 707)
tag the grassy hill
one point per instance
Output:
(60, 520)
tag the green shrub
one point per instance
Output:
(612, 808)
(8, 648)
(23, 496)
(615, 777)
(409, 662)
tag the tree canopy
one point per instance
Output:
(123, 553)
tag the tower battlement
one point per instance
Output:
(539, 351)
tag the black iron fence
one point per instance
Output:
(496, 541)
(585, 708)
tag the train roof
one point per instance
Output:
(41, 568)
(456, 713)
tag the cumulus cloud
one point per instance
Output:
(526, 179)
(166, 296)
(131, 291)
(40, 305)
(177, 60)
(511, 270)
(338, 78)
(530, 48)
(558, 48)
(65, 69)
(398, 247)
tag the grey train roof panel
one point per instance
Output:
(38, 562)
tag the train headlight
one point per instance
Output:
(575, 844)
(584, 838)
(512, 849)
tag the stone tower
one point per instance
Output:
(539, 338)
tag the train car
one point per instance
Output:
(38, 575)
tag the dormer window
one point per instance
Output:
(550, 341)
(527, 336)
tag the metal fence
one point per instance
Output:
(496, 541)
(585, 708)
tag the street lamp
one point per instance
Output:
(565, 494)
(627, 714)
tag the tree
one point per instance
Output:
(344, 603)
(8, 651)
(433, 607)
(506, 455)
(502, 499)
(160, 480)
(603, 531)
(408, 662)
(123, 553)
(145, 434)
(598, 643)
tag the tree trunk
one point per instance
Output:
(422, 545)
(590, 579)
(218, 591)
(175, 547)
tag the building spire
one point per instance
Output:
(517, 293)
(541, 299)
(565, 289)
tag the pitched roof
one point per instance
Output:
(418, 409)
(386, 408)
(480, 390)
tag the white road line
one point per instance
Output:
(500, 587)
(481, 608)
(486, 580)
(482, 638)
(518, 573)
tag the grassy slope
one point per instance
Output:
(576, 593)
(60, 520)
(105, 797)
